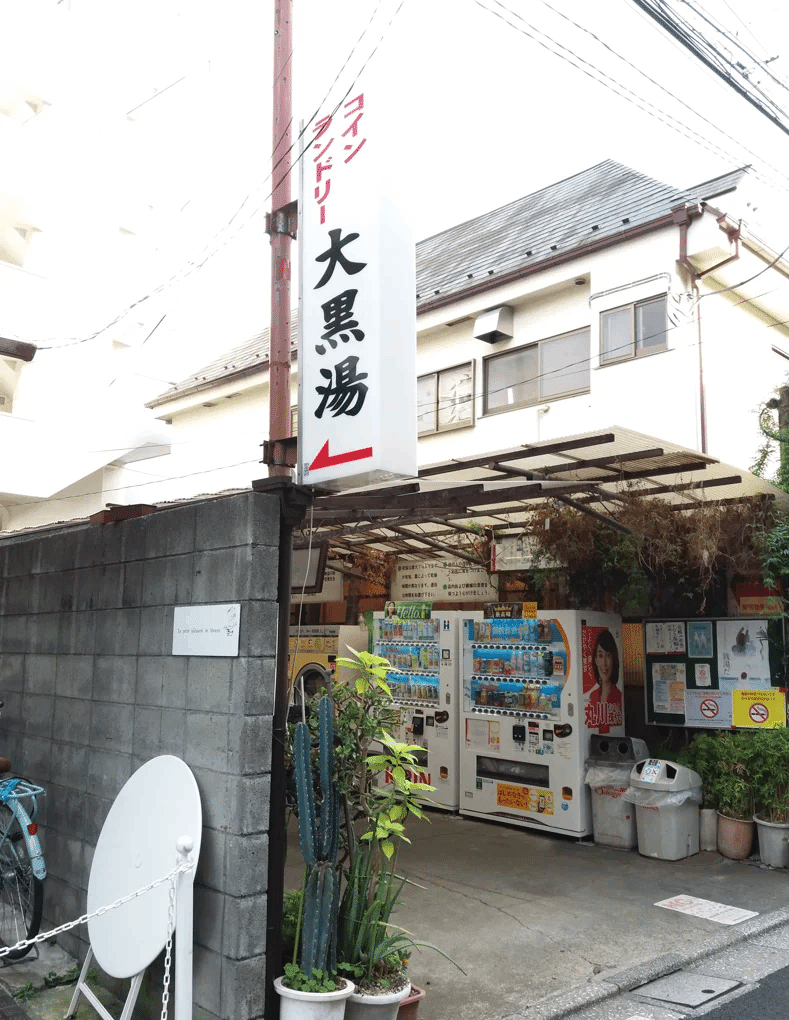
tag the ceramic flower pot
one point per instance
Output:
(362, 1006)
(296, 1005)
(735, 837)
(409, 1007)
(773, 842)
(708, 829)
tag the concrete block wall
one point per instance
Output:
(92, 692)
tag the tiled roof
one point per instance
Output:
(558, 220)
(563, 218)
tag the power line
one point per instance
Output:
(576, 61)
(193, 266)
(661, 14)
(668, 92)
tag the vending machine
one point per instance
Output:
(533, 691)
(425, 686)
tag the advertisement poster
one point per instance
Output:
(667, 637)
(668, 687)
(600, 672)
(708, 710)
(759, 709)
(743, 652)
(700, 639)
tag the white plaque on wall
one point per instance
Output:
(207, 630)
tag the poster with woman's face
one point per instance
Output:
(601, 679)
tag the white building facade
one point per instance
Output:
(605, 299)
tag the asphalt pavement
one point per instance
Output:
(545, 926)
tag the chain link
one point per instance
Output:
(168, 949)
(100, 911)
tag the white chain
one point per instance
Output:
(168, 949)
(170, 877)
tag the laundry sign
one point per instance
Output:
(357, 322)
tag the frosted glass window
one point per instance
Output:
(512, 379)
(564, 364)
(445, 399)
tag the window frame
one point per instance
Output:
(540, 398)
(450, 426)
(634, 351)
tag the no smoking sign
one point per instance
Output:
(759, 713)
(709, 708)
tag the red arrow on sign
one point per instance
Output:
(325, 459)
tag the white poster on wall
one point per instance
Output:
(207, 630)
(443, 581)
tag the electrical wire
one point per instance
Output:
(668, 92)
(194, 266)
(158, 480)
(576, 61)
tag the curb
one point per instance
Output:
(565, 1004)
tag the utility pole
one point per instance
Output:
(279, 452)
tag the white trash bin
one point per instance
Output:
(608, 769)
(667, 798)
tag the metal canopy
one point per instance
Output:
(424, 517)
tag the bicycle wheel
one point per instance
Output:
(21, 893)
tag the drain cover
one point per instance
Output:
(686, 989)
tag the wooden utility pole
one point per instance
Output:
(281, 227)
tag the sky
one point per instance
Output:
(160, 119)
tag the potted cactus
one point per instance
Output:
(310, 986)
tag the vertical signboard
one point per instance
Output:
(357, 336)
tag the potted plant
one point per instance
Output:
(371, 948)
(703, 757)
(310, 986)
(731, 791)
(770, 780)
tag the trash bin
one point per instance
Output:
(667, 798)
(608, 769)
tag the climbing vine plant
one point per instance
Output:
(656, 549)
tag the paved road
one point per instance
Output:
(770, 1001)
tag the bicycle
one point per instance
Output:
(22, 866)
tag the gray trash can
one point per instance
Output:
(608, 769)
(667, 798)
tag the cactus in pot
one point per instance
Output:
(319, 831)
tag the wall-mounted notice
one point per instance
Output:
(207, 630)
(743, 651)
(759, 709)
(709, 710)
(668, 687)
(666, 637)
(443, 581)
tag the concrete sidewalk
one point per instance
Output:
(543, 925)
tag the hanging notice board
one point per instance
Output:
(693, 666)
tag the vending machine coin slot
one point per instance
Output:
(519, 735)
(418, 726)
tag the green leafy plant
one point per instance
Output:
(372, 949)
(26, 992)
(770, 774)
(366, 946)
(319, 981)
(703, 756)
(731, 781)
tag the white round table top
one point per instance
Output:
(158, 805)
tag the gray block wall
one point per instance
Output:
(92, 692)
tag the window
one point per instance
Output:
(633, 330)
(445, 399)
(557, 367)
